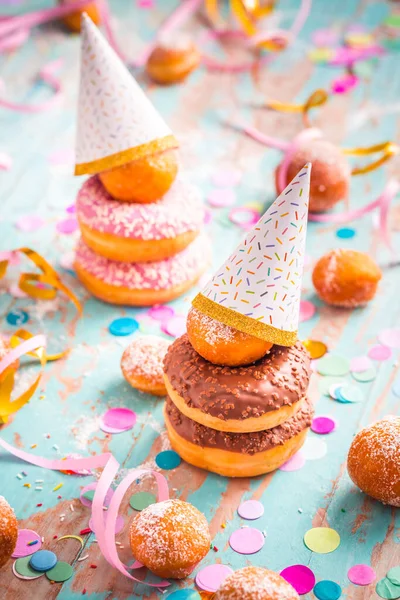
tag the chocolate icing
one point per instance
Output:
(279, 379)
(245, 443)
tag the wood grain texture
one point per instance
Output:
(76, 390)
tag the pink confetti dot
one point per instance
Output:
(325, 37)
(244, 216)
(344, 84)
(160, 312)
(390, 337)
(307, 310)
(29, 223)
(71, 209)
(175, 327)
(24, 537)
(379, 352)
(6, 162)
(221, 198)
(207, 216)
(300, 577)
(251, 510)
(227, 177)
(210, 578)
(361, 574)
(295, 463)
(119, 418)
(247, 540)
(67, 226)
(359, 364)
(323, 425)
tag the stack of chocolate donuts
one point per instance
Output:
(237, 382)
(140, 221)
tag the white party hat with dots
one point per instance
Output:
(117, 123)
(257, 290)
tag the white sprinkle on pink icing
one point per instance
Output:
(179, 211)
(144, 357)
(160, 275)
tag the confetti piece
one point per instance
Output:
(349, 393)
(247, 540)
(168, 460)
(28, 223)
(359, 364)
(300, 577)
(17, 317)
(67, 226)
(386, 589)
(227, 178)
(295, 463)
(22, 547)
(321, 55)
(315, 348)
(345, 233)
(22, 570)
(6, 162)
(123, 326)
(359, 40)
(365, 376)
(62, 571)
(119, 418)
(142, 500)
(361, 574)
(333, 365)
(326, 384)
(394, 575)
(314, 448)
(210, 578)
(161, 312)
(111, 430)
(390, 338)
(325, 37)
(43, 560)
(87, 495)
(175, 326)
(221, 198)
(393, 20)
(307, 310)
(379, 352)
(323, 425)
(327, 590)
(244, 216)
(322, 540)
(185, 595)
(251, 510)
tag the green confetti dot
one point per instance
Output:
(394, 575)
(393, 20)
(142, 500)
(325, 383)
(387, 590)
(333, 365)
(365, 376)
(23, 568)
(61, 572)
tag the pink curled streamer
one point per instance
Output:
(104, 528)
(34, 343)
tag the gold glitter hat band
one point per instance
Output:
(234, 319)
(125, 156)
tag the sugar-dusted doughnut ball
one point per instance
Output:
(330, 175)
(255, 583)
(374, 460)
(142, 364)
(73, 20)
(346, 278)
(144, 180)
(173, 59)
(5, 347)
(8, 531)
(221, 344)
(170, 538)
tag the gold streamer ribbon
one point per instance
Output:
(317, 98)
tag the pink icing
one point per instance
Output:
(178, 212)
(160, 275)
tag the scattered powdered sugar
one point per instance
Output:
(144, 358)
(84, 429)
(255, 583)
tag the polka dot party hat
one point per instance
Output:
(116, 121)
(257, 290)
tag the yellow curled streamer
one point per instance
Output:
(317, 98)
(388, 150)
(71, 537)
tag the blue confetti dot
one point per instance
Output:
(345, 233)
(17, 317)
(168, 460)
(123, 326)
(327, 590)
(184, 595)
(43, 560)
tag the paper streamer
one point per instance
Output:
(104, 528)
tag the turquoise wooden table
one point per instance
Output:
(62, 418)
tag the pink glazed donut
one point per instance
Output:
(130, 232)
(142, 284)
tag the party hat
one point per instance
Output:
(116, 121)
(257, 290)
